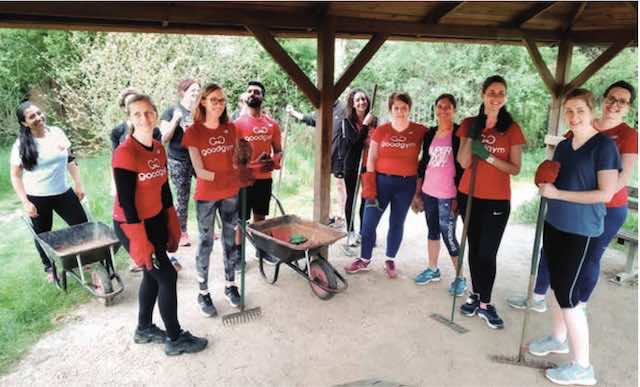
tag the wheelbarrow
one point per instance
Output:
(273, 236)
(88, 245)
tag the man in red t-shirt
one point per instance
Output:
(263, 134)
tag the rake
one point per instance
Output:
(244, 315)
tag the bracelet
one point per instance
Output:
(491, 160)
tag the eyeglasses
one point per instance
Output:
(620, 102)
(217, 100)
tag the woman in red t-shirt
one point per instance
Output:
(491, 142)
(390, 179)
(211, 141)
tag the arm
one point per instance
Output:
(167, 128)
(198, 167)
(167, 198)
(606, 188)
(18, 186)
(372, 157)
(464, 153)
(126, 189)
(74, 171)
(512, 166)
(628, 163)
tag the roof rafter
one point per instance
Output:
(440, 11)
(529, 14)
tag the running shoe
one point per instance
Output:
(490, 316)
(427, 276)
(185, 343)
(150, 334)
(520, 302)
(357, 266)
(572, 373)
(548, 344)
(471, 305)
(390, 269)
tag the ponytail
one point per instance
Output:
(28, 148)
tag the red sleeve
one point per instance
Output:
(188, 139)
(629, 141)
(124, 158)
(464, 128)
(516, 136)
(378, 134)
(277, 135)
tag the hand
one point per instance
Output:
(173, 226)
(369, 189)
(547, 172)
(417, 205)
(30, 209)
(243, 152)
(140, 249)
(548, 191)
(277, 160)
(177, 115)
(266, 165)
(79, 191)
(478, 149)
(289, 109)
(368, 119)
(454, 207)
(477, 126)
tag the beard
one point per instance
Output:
(254, 102)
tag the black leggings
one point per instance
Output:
(350, 181)
(487, 224)
(67, 205)
(159, 283)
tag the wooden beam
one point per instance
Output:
(440, 11)
(361, 60)
(284, 60)
(540, 65)
(577, 12)
(526, 15)
(324, 123)
(596, 65)
(563, 66)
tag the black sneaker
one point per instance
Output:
(149, 334)
(185, 343)
(470, 306)
(232, 295)
(490, 315)
(206, 305)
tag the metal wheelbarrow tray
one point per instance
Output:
(71, 249)
(272, 237)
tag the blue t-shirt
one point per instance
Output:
(579, 172)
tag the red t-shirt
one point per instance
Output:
(151, 167)
(626, 139)
(263, 133)
(491, 183)
(398, 151)
(216, 148)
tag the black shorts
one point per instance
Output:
(259, 197)
(566, 254)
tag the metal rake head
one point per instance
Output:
(242, 317)
(523, 362)
(445, 321)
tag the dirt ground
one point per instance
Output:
(378, 330)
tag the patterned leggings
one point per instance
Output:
(181, 173)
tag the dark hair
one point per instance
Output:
(139, 98)
(259, 84)
(581, 94)
(28, 149)
(448, 97)
(123, 96)
(351, 110)
(185, 84)
(200, 113)
(504, 117)
(400, 96)
(623, 85)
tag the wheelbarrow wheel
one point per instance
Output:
(322, 273)
(102, 284)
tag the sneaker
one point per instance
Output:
(185, 343)
(548, 344)
(150, 334)
(176, 264)
(232, 295)
(427, 276)
(184, 239)
(458, 286)
(490, 316)
(572, 373)
(357, 266)
(520, 302)
(390, 268)
(471, 305)
(353, 239)
(206, 305)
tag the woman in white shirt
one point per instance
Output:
(39, 160)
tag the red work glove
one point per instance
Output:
(266, 165)
(243, 152)
(173, 239)
(547, 172)
(245, 177)
(369, 190)
(277, 160)
(140, 248)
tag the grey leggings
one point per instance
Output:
(228, 209)
(181, 173)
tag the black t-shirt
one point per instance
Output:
(176, 151)
(120, 132)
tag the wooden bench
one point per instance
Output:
(631, 240)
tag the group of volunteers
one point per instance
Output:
(401, 164)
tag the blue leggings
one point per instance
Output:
(397, 191)
(441, 221)
(588, 277)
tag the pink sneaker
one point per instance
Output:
(184, 239)
(357, 266)
(390, 268)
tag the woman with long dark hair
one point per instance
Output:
(150, 227)
(356, 128)
(40, 159)
(491, 147)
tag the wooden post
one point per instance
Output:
(324, 123)
(563, 65)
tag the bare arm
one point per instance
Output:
(196, 160)
(512, 166)
(628, 163)
(372, 156)
(607, 180)
(18, 187)
(464, 152)
(167, 128)
(74, 171)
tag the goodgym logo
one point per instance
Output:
(153, 163)
(262, 130)
(398, 139)
(220, 140)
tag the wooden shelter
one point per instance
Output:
(565, 24)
